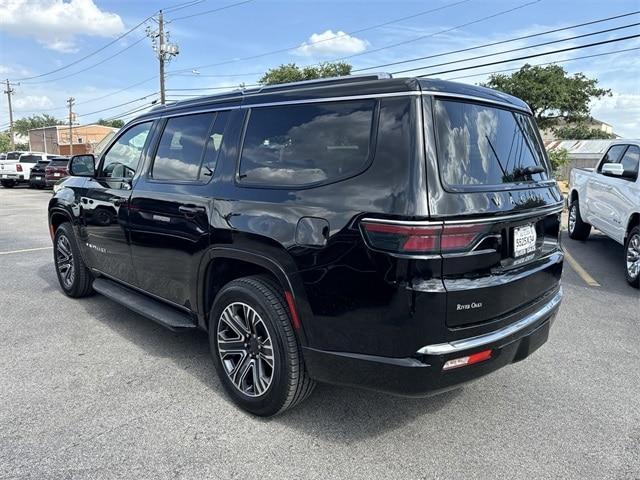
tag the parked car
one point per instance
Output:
(608, 198)
(36, 177)
(3, 156)
(15, 172)
(56, 170)
(366, 231)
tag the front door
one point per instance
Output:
(171, 207)
(105, 205)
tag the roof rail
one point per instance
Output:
(345, 78)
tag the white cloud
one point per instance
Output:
(32, 102)
(329, 43)
(56, 23)
(622, 111)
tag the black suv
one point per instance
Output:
(394, 234)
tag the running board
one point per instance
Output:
(159, 312)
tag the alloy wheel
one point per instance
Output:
(64, 260)
(572, 218)
(633, 256)
(245, 349)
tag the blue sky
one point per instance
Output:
(38, 36)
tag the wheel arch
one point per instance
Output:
(220, 265)
(634, 220)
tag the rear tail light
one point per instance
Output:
(468, 360)
(18, 168)
(408, 238)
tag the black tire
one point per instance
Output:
(73, 275)
(8, 183)
(578, 229)
(632, 252)
(289, 383)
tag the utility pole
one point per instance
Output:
(70, 102)
(165, 50)
(9, 91)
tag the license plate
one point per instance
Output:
(524, 240)
(56, 174)
(38, 178)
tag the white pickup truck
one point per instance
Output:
(608, 198)
(14, 171)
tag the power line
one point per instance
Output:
(120, 105)
(499, 42)
(89, 67)
(529, 46)
(546, 63)
(131, 112)
(64, 67)
(212, 10)
(603, 42)
(180, 6)
(353, 32)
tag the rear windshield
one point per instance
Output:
(58, 163)
(13, 155)
(30, 158)
(480, 145)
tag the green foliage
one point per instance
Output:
(558, 158)
(5, 142)
(550, 92)
(23, 125)
(290, 72)
(111, 123)
(581, 131)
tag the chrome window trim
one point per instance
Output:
(473, 98)
(457, 346)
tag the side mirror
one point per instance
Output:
(613, 169)
(82, 165)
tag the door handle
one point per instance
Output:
(189, 211)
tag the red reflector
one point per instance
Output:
(295, 321)
(468, 360)
(18, 168)
(455, 237)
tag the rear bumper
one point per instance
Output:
(423, 375)
(12, 176)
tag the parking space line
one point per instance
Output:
(25, 250)
(582, 273)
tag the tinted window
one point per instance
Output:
(13, 155)
(631, 160)
(30, 158)
(181, 147)
(58, 163)
(481, 145)
(121, 161)
(305, 144)
(612, 156)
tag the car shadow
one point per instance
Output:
(337, 414)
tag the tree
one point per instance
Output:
(290, 72)
(111, 123)
(5, 142)
(581, 131)
(550, 92)
(23, 125)
(558, 158)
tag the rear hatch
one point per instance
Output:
(57, 169)
(499, 207)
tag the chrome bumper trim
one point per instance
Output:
(475, 342)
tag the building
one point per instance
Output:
(55, 139)
(582, 153)
(592, 123)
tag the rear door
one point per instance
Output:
(171, 206)
(499, 211)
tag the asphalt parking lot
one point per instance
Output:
(90, 390)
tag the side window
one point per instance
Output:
(306, 144)
(214, 145)
(612, 156)
(181, 147)
(121, 161)
(631, 160)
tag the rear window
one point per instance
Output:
(480, 145)
(13, 155)
(306, 144)
(58, 163)
(30, 158)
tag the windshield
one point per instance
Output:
(30, 158)
(480, 145)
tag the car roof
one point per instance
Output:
(338, 87)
